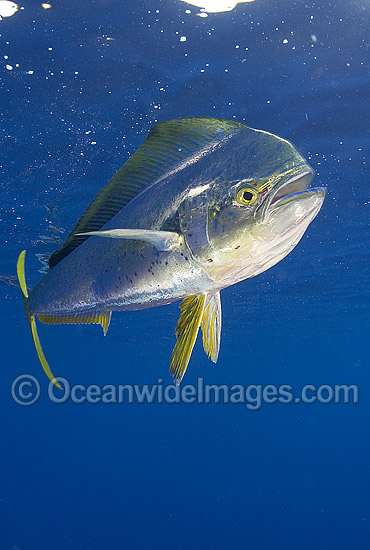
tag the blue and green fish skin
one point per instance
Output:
(236, 201)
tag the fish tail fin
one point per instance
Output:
(31, 319)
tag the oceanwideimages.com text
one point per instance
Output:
(26, 391)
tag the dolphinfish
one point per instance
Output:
(203, 204)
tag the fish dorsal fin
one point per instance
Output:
(167, 145)
(102, 319)
(211, 326)
(186, 331)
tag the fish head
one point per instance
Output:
(246, 224)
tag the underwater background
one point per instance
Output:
(81, 83)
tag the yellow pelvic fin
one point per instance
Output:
(31, 319)
(211, 326)
(186, 331)
(102, 319)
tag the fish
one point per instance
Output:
(204, 203)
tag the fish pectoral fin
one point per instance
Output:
(162, 240)
(31, 320)
(211, 325)
(186, 331)
(102, 319)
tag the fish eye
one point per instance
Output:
(246, 196)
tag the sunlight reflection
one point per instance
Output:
(7, 9)
(214, 6)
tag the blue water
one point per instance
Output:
(204, 476)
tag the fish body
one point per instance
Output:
(203, 204)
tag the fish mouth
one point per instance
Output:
(297, 184)
(294, 205)
(287, 190)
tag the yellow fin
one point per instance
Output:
(102, 319)
(40, 353)
(186, 331)
(31, 319)
(21, 274)
(211, 326)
